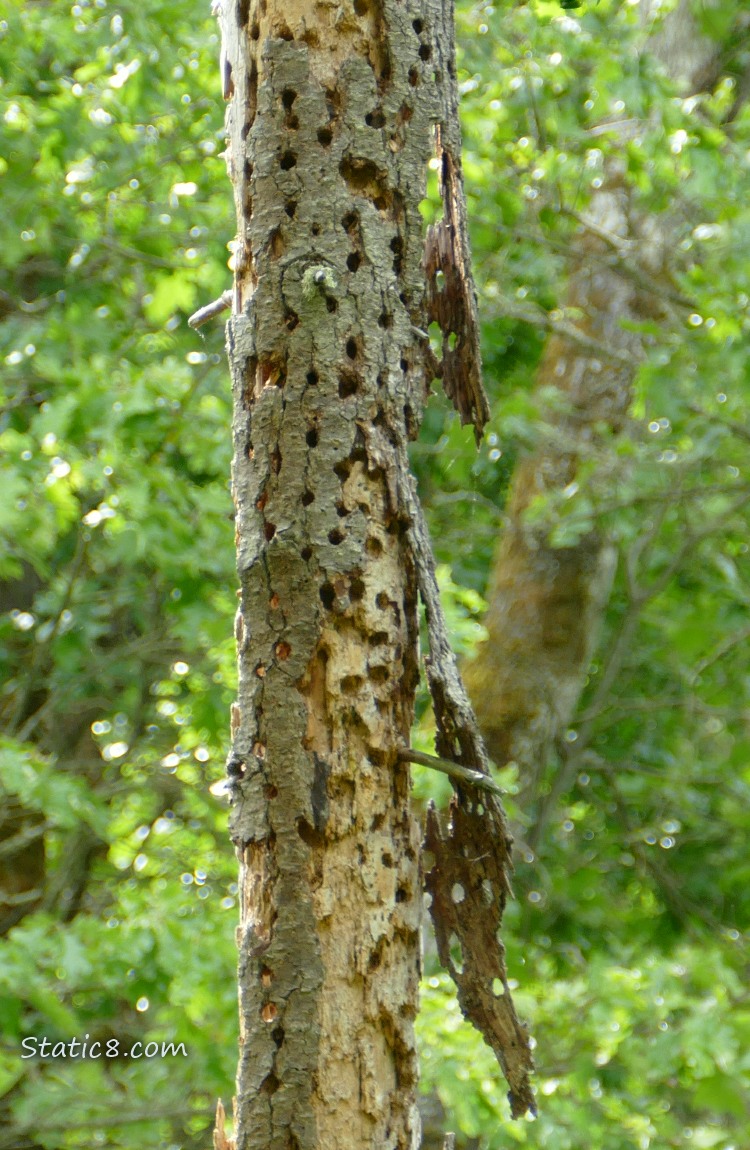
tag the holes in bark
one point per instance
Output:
(276, 244)
(350, 684)
(312, 378)
(361, 7)
(405, 114)
(418, 26)
(315, 230)
(425, 51)
(278, 1036)
(288, 96)
(310, 837)
(251, 90)
(271, 374)
(270, 1084)
(271, 792)
(307, 498)
(341, 511)
(401, 894)
(353, 260)
(351, 348)
(414, 76)
(311, 438)
(283, 651)
(288, 161)
(255, 30)
(373, 546)
(269, 530)
(379, 674)
(269, 1012)
(348, 385)
(387, 860)
(378, 758)
(382, 601)
(266, 976)
(375, 119)
(397, 247)
(356, 590)
(243, 12)
(325, 137)
(284, 32)
(335, 537)
(342, 469)
(327, 596)
(262, 500)
(275, 461)
(290, 207)
(404, 365)
(331, 305)
(366, 179)
(292, 321)
(350, 222)
(385, 320)
(306, 554)
(379, 638)
(273, 602)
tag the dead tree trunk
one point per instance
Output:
(331, 123)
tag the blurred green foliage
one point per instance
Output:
(627, 938)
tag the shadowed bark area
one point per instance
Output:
(545, 601)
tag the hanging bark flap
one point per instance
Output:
(451, 300)
(451, 296)
(468, 887)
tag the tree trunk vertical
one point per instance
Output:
(330, 128)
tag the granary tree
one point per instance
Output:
(334, 114)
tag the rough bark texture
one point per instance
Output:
(331, 124)
(546, 602)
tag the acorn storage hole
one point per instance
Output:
(348, 385)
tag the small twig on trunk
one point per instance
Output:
(455, 770)
(204, 314)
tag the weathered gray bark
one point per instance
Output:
(331, 124)
(546, 601)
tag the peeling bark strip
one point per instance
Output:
(332, 115)
(468, 886)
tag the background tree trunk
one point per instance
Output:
(546, 599)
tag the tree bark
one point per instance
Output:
(546, 601)
(330, 126)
